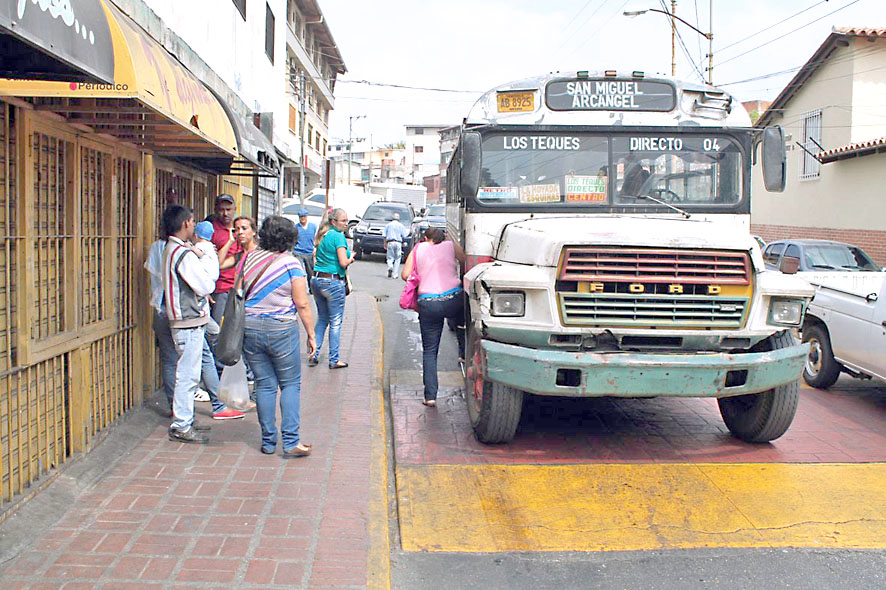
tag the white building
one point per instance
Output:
(422, 151)
(833, 108)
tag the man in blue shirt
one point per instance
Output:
(395, 234)
(304, 244)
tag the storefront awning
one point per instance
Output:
(256, 150)
(54, 40)
(153, 100)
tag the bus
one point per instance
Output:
(606, 221)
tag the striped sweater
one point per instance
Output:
(186, 285)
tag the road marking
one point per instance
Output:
(468, 508)
(379, 557)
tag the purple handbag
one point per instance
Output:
(409, 296)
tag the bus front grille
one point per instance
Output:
(654, 265)
(591, 309)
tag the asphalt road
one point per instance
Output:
(673, 569)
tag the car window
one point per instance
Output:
(318, 198)
(838, 257)
(386, 213)
(773, 252)
(315, 210)
(291, 209)
(792, 250)
(437, 211)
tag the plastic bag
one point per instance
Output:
(232, 387)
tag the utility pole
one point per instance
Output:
(673, 38)
(350, 139)
(301, 107)
(711, 42)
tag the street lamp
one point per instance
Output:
(673, 17)
(351, 120)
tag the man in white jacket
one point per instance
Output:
(187, 283)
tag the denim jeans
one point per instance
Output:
(271, 346)
(431, 313)
(307, 261)
(189, 344)
(330, 297)
(169, 360)
(395, 252)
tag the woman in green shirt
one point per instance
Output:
(328, 284)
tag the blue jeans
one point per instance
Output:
(169, 360)
(189, 344)
(395, 252)
(431, 313)
(330, 297)
(271, 347)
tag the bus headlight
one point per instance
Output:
(508, 304)
(785, 312)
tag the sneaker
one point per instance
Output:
(188, 436)
(201, 395)
(390, 273)
(229, 414)
(313, 362)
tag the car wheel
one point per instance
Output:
(821, 369)
(763, 417)
(349, 233)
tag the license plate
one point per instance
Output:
(516, 102)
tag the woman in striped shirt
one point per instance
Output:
(276, 299)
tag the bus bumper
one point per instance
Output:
(623, 374)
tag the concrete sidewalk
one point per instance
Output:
(170, 515)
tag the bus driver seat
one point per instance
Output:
(635, 177)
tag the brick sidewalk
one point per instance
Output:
(223, 515)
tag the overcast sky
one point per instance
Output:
(477, 44)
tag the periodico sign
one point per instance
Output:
(610, 95)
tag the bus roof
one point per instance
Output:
(608, 98)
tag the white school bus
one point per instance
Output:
(605, 217)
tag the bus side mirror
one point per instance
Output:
(789, 265)
(469, 179)
(774, 159)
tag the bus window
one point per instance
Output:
(544, 169)
(687, 170)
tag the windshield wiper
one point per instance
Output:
(828, 266)
(668, 205)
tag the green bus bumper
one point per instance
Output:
(623, 374)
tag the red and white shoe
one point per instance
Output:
(229, 414)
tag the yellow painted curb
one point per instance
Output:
(475, 508)
(379, 559)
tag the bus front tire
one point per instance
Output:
(494, 409)
(763, 417)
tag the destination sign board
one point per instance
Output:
(610, 95)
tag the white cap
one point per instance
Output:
(397, 216)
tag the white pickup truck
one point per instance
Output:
(845, 326)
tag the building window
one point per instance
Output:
(310, 134)
(810, 167)
(241, 7)
(419, 131)
(269, 32)
(293, 119)
(419, 149)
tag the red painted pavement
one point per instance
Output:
(845, 424)
(223, 515)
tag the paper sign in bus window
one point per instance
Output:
(540, 193)
(585, 189)
(498, 193)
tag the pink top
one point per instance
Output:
(437, 268)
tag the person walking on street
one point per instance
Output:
(187, 284)
(440, 296)
(328, 285)
(395, 234)
(276, 298)
(304, 244)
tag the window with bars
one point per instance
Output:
(810, 167)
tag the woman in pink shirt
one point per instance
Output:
(440, 296)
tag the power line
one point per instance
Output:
(789, 33)
(591, 36)
(682, 43)
(853, 54)
(404, 87)
(719, 49)
(575, 19)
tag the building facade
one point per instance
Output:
(422, 151)
(832, 115)
(91, 152)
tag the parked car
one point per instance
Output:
(818, 256)
(351, 199)
(368, 233)
(435, 216)
(845, 327)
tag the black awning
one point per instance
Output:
(68, 41)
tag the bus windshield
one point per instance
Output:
(620, 170)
